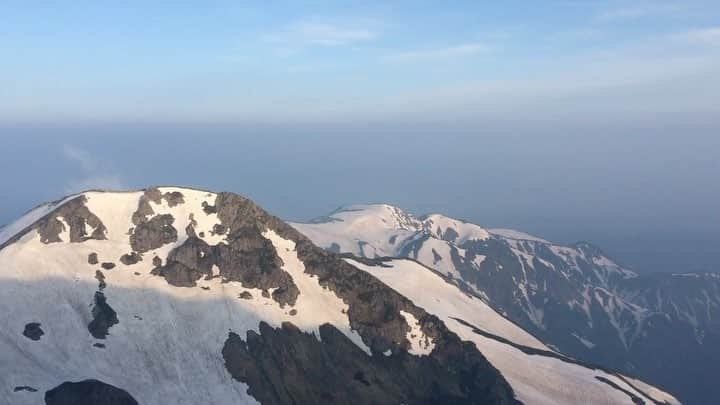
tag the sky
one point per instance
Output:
(575, 120)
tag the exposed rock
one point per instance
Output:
(209, 209)
(218, 229)
(104, 317)
(246, 295)
(173, 198)
(187, 263)
(154, 233)
(247, 257)
(33, 331)
(129, 259)
(24, 388)
(100, 277)
(99, 345)
(93, 258)
(144, 209)
(77, 216)
(288, 366)
(88, 392)
(108, 265)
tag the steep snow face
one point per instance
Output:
(167, 343)
(537, 375)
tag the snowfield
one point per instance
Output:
(54, 285)
(536, 379)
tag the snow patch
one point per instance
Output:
(513, 234)
(420, 343)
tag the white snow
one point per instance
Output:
(364, 230)
(383, 230)
(535, 379)
(584, 341)
(429, 291)
(514, 234)
(173, 353)
(438, 225)
(313, 299)
(420, 344)
(29, 218)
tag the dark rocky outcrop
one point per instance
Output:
(88, 392)
(33, 331)
(154, 233)
(100, 277)
(187, 263)
(104, 317)
(26, 388)
(149, 234)
(288, 366)
(78, 217)
(129, 259)
(93, 258)
(246, 257)
(108, 265)
(154, 195)
(173, 198)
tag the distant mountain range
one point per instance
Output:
(664, 328)
(182, 296)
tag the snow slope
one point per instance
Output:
(54, 285)
(572, 297)
(536, 379)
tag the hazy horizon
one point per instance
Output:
(613, 189)
(594, 120)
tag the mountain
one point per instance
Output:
(183, 296)
(664, 328)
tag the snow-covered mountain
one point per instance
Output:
(664, 328)
(175, 295)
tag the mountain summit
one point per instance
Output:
(664, 328)
(183, 296)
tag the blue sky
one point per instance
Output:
(310, 61)
(573, 120)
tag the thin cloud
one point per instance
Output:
(633, 13)
(703, 36)
(468, 49)
(94, 173)
(318, 34)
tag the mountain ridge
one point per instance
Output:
(152, 266)
(574, 297)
